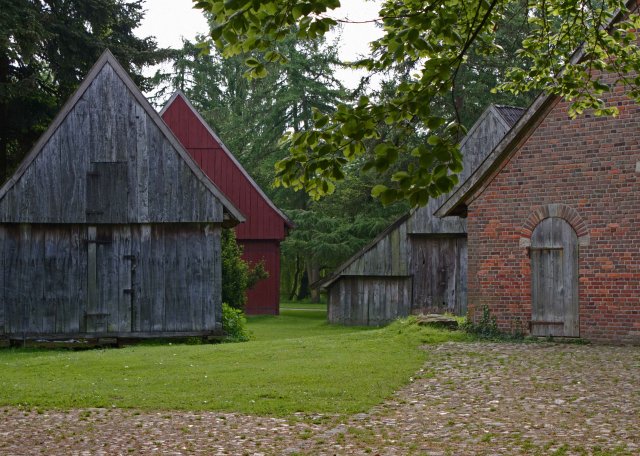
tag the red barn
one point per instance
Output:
(553, 220)
(266, 225)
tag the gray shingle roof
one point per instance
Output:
(510, 114)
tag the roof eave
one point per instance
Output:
(459, 200)
(521, 130)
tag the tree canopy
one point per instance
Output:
(429, 41)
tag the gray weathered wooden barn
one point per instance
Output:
(419, 263)
(109, 228)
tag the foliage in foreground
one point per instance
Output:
(337, 370)
(486, 327)
(430, 41)
(237, 275)
(234, 324)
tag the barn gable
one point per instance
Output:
(264, 220)
(109, 158)
(420, 258)
(109, 229)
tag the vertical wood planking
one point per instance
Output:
(3, 267)
(13, 261)
(124, 264)
(57, 252)
(554, 279)
(33, 294)
(72, 271)
(214, 252)
(136, 287)
(93, 298)
(147, 272)
(76, 304)
(210, 281)
(170, 280)
(159, 280)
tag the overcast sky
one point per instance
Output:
(170, 20)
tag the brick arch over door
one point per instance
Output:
(562, 211)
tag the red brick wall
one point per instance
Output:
(588, 165)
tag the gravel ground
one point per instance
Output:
(468, 399)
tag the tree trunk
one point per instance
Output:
(294, 284)
(303, 292)
(313, 273)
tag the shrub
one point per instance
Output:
(234, 324)
(487, 327)
(237, 275)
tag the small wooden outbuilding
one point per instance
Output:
(553, 218)
(419, 263)
(265, 226)
(108, 228)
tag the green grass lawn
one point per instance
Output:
(302, 306)
(295, 363)
(291, 324)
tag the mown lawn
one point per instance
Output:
(295, 363)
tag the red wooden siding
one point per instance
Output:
(263, 221)
(264, 298)
(265, 226)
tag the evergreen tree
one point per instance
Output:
(46, 48)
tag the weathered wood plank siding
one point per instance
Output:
(431, 251)
(140, 285)
(439, 266)
(387, 257)
(369, 301)
(108, 164)
(108, 227)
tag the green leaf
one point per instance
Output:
(252, 62)
(377, 190)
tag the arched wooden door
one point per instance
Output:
(554, 279)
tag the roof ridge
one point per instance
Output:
(107, 58)
(180, 94)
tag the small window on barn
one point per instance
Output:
(107, 192)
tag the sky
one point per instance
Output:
(171, 20)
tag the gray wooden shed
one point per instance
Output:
(108, 228)
(418, 263)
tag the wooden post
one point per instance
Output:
(92, 269)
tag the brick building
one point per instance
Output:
(553, 220)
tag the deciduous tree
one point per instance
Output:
(433, 38)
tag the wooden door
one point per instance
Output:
(110, 268)
(439, 267)
(554, 279)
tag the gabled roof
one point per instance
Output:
(458, 201)
(335, 275)
(231, 214)
(179, 94)
(510, 114)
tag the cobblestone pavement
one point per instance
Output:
(468, 399)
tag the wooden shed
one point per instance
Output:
(553, 217)
(265, 226)
(108, 228)
(419, 263)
